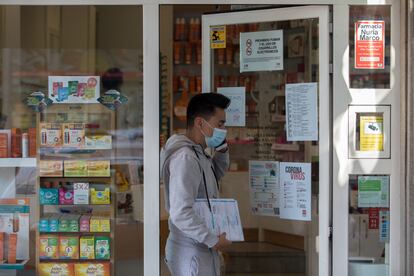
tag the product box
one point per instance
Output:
(50, 135)
(74, 223)
(84, 222)
(87, 248)
(99, 168)
(94, 224)
(102, 248)
(49, 196)
(58, 269)
(65, 196)
(74, 135)
(32, 142)
(75, 168)
(64, 224)
(4, 145)
(105, 224)
(44, 225)
(63, 94)
(81, 193)
(54, 223)
(100, 142)
(16, 142)
(69, 247)
(2, 240)
(11, 248)
(92, 269)
(48, 247)
(100, 197)
(51, 168)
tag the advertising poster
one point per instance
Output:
(371, 133)
(218, 37)
(385, 226)
(236, 112)
(302, 112)
(295, 191)
(373, 191)
(74, 89)
(261, 51)
(369, 44)
(264, 187)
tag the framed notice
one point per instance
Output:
(369, 131)
(369, 44)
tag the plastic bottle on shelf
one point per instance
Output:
(177, 28)
(197, 29)
(177, 52)
(180, 109)
(25, 145)
(188, 53)
(183, 32)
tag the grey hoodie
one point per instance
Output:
(182, 162)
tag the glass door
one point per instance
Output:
(273, 64)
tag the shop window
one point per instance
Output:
(369, 47)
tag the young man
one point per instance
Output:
(189, 173)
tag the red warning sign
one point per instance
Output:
(369, 44)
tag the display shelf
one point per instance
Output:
(18, 162)
(105, 179)
(75, 233)
(285, 147)
(74, 261)
(76, 205)
(17, 266)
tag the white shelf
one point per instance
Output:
(17, 162)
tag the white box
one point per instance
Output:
(81, 193)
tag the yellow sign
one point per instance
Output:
(218, 37)
(371, 133)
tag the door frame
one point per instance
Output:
(325, 149)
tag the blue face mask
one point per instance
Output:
(217, 138)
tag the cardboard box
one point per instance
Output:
(69, 247)
(102, 248)
(48, 247)
(98, 142)
(92, 269)
(11, 248)
(50, 135)
(75, 168)
(87, 248)
(99, 168)
(4, 145)
(32, 142)
(65, 196)
(61, 269)
(74, 135)
(81, 193)
(16, 142)
(48, 196)
(100, 197)
(51, 168)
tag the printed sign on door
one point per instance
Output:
(369, 44)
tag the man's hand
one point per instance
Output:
(222, 242)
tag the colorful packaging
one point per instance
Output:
(98, 142)
(11, 248)
(87, 248)
(2, 246)
(50, 134)
(105, 224)
(95, 224)
(58, 269)
(73, 87)
(100, 197)
(102, 248)
(44, 225)
(51, 168)
(81, 89)
(49, 196)
(85, 223)
(63, 94)
(16, 142)
(74, 135)
(81, 193)
(4, 145)
(56, 86)
(69, 247)
(64, 224)
(75, 168)
(54, 223)
(92, 269)
(74, 223)
(99, 168)
(48, 247)
(65, 196)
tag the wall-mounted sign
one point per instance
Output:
(371, 133)
(369, 44)
(74, 89)
(261, 51)
(218, 37)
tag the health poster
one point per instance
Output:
(236, 112)
(369, 44)
(218, 37)
(371, 137)
(74, 89)
(373, 191)
(261, 51)
(295, 191)
(302, 112)
(264, 187)
(384, 226)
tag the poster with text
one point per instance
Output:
(371, 133)
(236, 112)
(261, 51)
(384, 226)
(264, 187)
(373, 191)
(74, 89)
(295, 191)
(302, 112)
(369, 44)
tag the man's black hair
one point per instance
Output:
(204, 105)
(113, 78)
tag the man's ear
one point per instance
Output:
(198, 122)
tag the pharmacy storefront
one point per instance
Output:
(318, 133)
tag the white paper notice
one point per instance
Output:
(373, 191)
(264, 187)
(302, 112)
(236, 112)
(295, 191)
(225, 217)
(261, 51)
